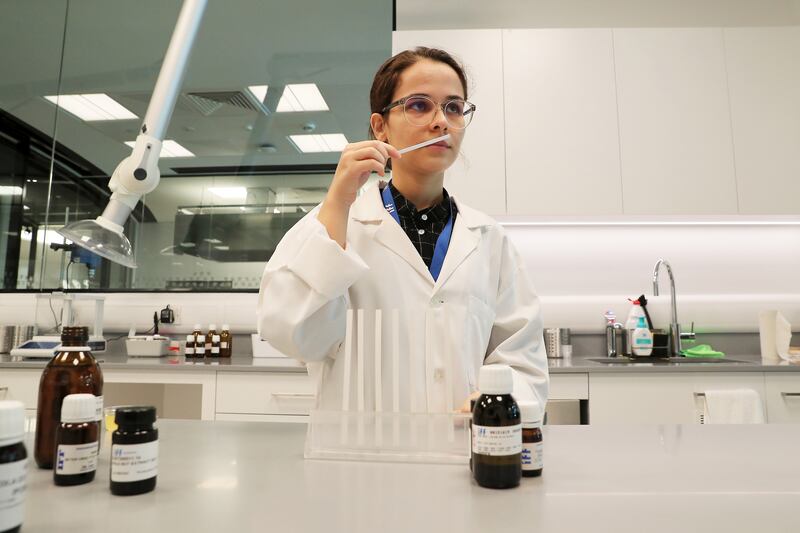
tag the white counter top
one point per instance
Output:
(242, 477)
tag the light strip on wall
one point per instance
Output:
(169, 148)
(652, 223)
(10, 190)
(92, 107)
(229, 193)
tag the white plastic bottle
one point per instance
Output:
(642, 342)
(631, 324)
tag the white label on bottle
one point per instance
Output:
(223, 345)
(74, 459)
(189, 351)
(98, 409)
(134, 462)
(200, 351)
(497, 440)
(532, 455)
(13, 478)
(215, 350)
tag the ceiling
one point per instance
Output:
(115, 47)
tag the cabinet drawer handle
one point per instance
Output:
(293, 394)
(790, 394)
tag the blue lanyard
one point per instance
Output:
(442, 243)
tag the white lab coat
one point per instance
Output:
(481, 310)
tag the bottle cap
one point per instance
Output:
(138, 415)
(79, 408)
(79, 334)
(530, 411)
(212, 327)
(495, 379)
(215, 338)
(12, 422)
(225, 327)
(197, 327)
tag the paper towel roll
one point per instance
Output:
(766, 333)
(783, 338)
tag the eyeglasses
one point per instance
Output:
(421, 111)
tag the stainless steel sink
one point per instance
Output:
(667, 360)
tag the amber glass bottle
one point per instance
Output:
(72, 370)
(226, 341)
(496, 431)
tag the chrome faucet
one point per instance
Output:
(675, 334)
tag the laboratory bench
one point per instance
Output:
(278, 389)
(234, 476)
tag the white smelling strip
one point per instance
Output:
(423, 144)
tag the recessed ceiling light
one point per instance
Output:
(222, 248)
(92, 107)
(10, 190)
(26, 208)
(229, 193)
(169, 148)
(259, 91)
(301, 97)
(329, 142)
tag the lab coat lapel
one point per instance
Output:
(462, 243)
(467, 234)
(369, 208)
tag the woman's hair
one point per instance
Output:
(385, 81)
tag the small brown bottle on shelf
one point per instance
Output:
(225, 341)
(215, 346)
(212, 330)
(72, 370)
(188, 351)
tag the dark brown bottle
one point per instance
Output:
(212, 330)
(532, 461)
(134, 451)
(226, 341)
(73, 370)
(77, 441)
(496, 431)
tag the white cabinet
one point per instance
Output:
(764, 83)
(783, 397)
(674, 121)
(22, 385)
(479, 176)
(562, 141)
(664, 398)
(569, 387)
(263, 393)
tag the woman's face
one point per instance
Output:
(440, 83)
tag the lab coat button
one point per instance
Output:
(438, 375)
(421, 231)
(424, 217)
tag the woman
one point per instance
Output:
(408, 248)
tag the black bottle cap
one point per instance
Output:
(79, 334)
(140, 415)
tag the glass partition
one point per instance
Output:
(272, 93)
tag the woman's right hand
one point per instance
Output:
(357, 162)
